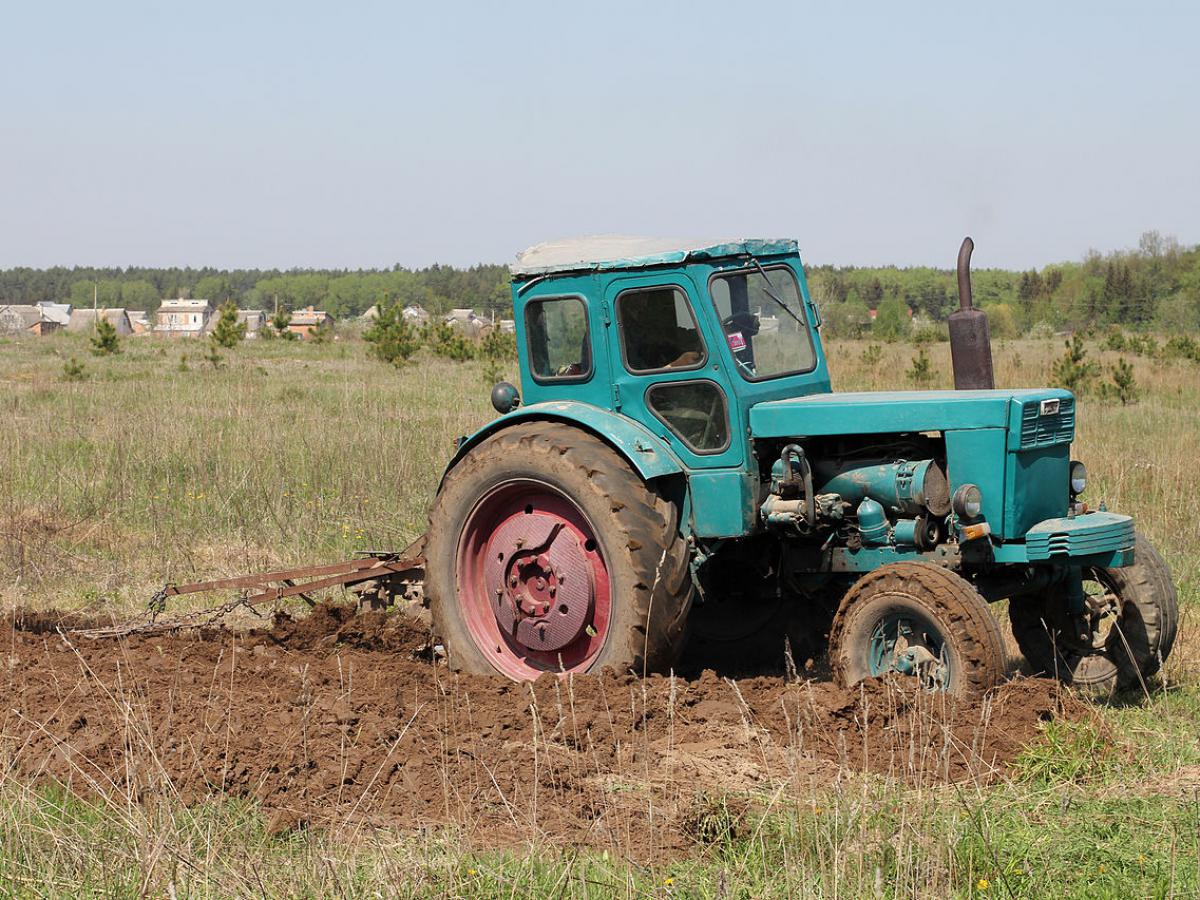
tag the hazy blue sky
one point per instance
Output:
(365, 134)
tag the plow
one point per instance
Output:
(681, 477)
(379, 577)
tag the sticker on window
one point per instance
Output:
(737, 343)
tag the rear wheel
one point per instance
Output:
(920, 620)
(547, 553)
(1123, 637)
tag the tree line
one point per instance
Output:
(1156, 284)
(342, 293)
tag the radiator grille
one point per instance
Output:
(1039, 430)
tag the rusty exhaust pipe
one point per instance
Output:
(970, 344)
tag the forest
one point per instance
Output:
(1154, 285)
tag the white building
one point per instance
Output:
(183, 318)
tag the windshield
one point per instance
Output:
(763, 318)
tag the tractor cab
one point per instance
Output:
(681, 338)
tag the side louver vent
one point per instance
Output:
(1043, 430)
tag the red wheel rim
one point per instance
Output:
(532, 583)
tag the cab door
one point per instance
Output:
(665, 371)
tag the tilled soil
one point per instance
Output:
(341, 720)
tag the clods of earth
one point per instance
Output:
(342, 719)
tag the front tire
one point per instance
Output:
(921, 620)
(1135, 614)
(547, 553)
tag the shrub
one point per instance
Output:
(392, 339)
(1123, 386)
(872, 355)
(73, 370)
(1182, 346)
(930, 334)
(499, 346)
(1115, 341)
(892, 321)
(447, 341)
(851, 319)
(921, 371)
(1002, 322)
(322, 334)
(280, 322)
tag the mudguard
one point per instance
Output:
(648, 454)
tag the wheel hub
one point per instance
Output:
(901, 645)
(539, 579)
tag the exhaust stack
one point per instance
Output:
(970, 345)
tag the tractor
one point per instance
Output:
(677, 474)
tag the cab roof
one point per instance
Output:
(615, 251)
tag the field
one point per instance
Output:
(157, 466)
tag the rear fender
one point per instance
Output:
(648, 454)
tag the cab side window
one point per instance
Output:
(658, 330)
(558, 341)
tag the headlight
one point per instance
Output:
(1078, 478)
(967, 502)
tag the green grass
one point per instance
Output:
(142, 472)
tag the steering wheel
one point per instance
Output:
(746, 322)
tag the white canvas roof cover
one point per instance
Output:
(617, 251)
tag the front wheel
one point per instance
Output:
(922, 621)
(1120, 639)
(546, 552)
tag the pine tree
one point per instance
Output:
(229, 332)
(1073, 370)
(104, 341)
(280, 322)
(391, 337)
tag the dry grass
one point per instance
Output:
(144, 472)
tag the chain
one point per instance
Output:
(149, 623)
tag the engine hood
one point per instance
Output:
(883, 412)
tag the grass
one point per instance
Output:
(139, 471)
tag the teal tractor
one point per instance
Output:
(679, 481)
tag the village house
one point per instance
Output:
(414, 314)
(25, 320)
(183, 318)
(58, 313)
(468, 322)
(84, 320)
(305, 321)
(139, 320)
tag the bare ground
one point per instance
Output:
(341, 720)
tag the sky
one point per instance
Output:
(360, 134)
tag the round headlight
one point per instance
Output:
(967, 502)
(1078, 478)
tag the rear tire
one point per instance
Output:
(1147, 620)
(948, 623)
(496, 600)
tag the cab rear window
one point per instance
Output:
(557, 338)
